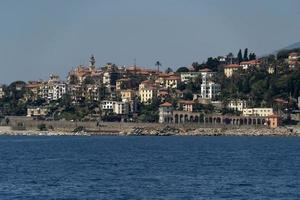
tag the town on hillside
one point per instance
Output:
(229, 90)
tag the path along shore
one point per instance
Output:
(161, 131)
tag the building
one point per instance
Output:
(210, 90)
(52, 91)
(123, 83)
(261, 112)
(230, 69)
(273, 121)
(165, 113)
(2, 92)
(147, 94)
(33, 88)
(117, 107)
(237, 105)
(92, 92)
(37, 112)
(186, 105)
(80, 73)
(127, 95)
(189, 76)
(250, 64)
(293, 59)
(172, 81)
(147, 91)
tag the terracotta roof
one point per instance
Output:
(251, 62)
(232, 66)
(166, 104)
(173, 78)
(205, 70)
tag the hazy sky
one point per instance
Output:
(39, 37)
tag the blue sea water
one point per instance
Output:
(149, 167)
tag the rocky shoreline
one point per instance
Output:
(164, 131)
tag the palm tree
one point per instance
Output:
(157, 64)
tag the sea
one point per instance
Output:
(116, 167)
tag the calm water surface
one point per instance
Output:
(149, 168)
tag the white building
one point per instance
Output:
(2, 93)
(53, 91)
(261, 112)
(165, 112)
(187, 76)
(238, 105)
(117, 107)
(210, 90)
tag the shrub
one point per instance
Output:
(42, 127)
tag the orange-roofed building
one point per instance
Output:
(229, 69)
(165, 113)
(251, 63)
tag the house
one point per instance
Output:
(209, 89)
(2, 92)
(147, 91)
(250, 64)
(230, 69)
(237, 104)
(293, 59)
(127, 95)
(53, 89)
(117, 107)
(172, 81)
(37, 112)
(92, 92)
(186, 105)
(273, 121)
(189, 76)
(123, 83)
(261, 112)
(33, 87)
(165, 113)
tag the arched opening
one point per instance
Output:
(176, 118)
(196, 118)
(186, 118)
(181, 119)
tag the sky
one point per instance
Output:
(40, 37)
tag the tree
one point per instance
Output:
(246, 55)
(182, 69)
(169, 70)
(240, 56)
(157, 64)
(196, 66)
(212, 63)
(252, 56)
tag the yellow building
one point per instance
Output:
(261, 112)
(229, 69)
(127, 95)
(147, 94)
